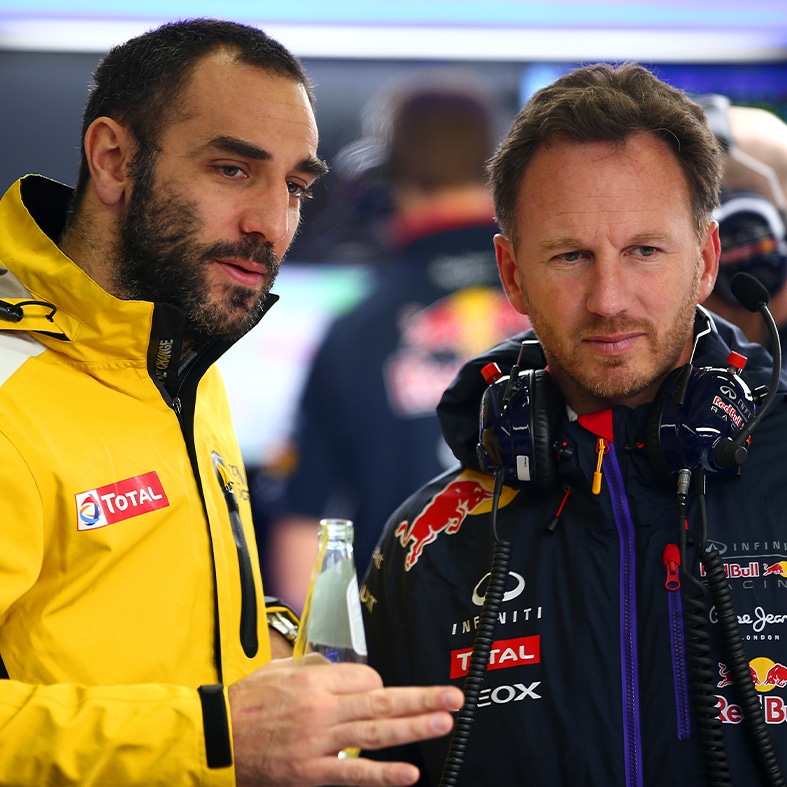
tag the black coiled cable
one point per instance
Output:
(702, 671)
(482, 647)
(701, 667)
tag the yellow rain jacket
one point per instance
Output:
(130, 591)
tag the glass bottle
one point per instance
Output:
(331, 623)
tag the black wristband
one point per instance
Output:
(216, 726)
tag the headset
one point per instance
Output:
(698, 419)
(516, 430)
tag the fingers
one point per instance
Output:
(373, 734)
(370, 700)
(372, 717)
(385, 703)
(365, 773)
(396, 716)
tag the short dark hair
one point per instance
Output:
(441, 136)
(139, 83)
(604, 103)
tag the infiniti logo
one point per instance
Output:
(728, 392)
(718, 546)
(519, 586)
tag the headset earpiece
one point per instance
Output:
(669, 392)
(694, 413)
(516, 429)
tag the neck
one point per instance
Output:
(583, 402)
(90, 240)
(418, 211)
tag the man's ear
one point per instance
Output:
(109, 149)
(709, 257)
(509, 273)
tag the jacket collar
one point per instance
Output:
(87, 323)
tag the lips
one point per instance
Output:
(612, 345)
(243, 272)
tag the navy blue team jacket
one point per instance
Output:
(589, 680)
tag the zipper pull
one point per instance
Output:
(601, 448)
(671, 559)
(601, 425)
(226, 486)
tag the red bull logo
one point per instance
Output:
(469, 494)
(730, 410)
(765, 674)
(774, 710)
(436, 340)
(738, 570)
(775, 569)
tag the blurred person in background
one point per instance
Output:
(366, 433)
(752, 212)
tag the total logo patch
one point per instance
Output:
(121, 500)
(505, 653)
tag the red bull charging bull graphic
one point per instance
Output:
(436, 340)
(468, 494)
(775, 569)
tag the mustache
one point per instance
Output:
(603, 326)
(250, 248)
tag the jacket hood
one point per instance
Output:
(459, 407)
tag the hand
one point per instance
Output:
(290, 719)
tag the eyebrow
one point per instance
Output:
(645, 239)
(311, 165)
(559, 243)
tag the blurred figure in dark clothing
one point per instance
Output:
(366, 433)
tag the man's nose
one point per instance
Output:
(606, 292)
(268, 214)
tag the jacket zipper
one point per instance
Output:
(632, 737)
(206, 356)
(248, 611)
(677, 643)
(248, 608)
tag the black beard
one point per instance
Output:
(161, 260)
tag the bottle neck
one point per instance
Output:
(336, 530)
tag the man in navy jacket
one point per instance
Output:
(632, 631)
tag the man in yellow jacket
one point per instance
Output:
(133, 627)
